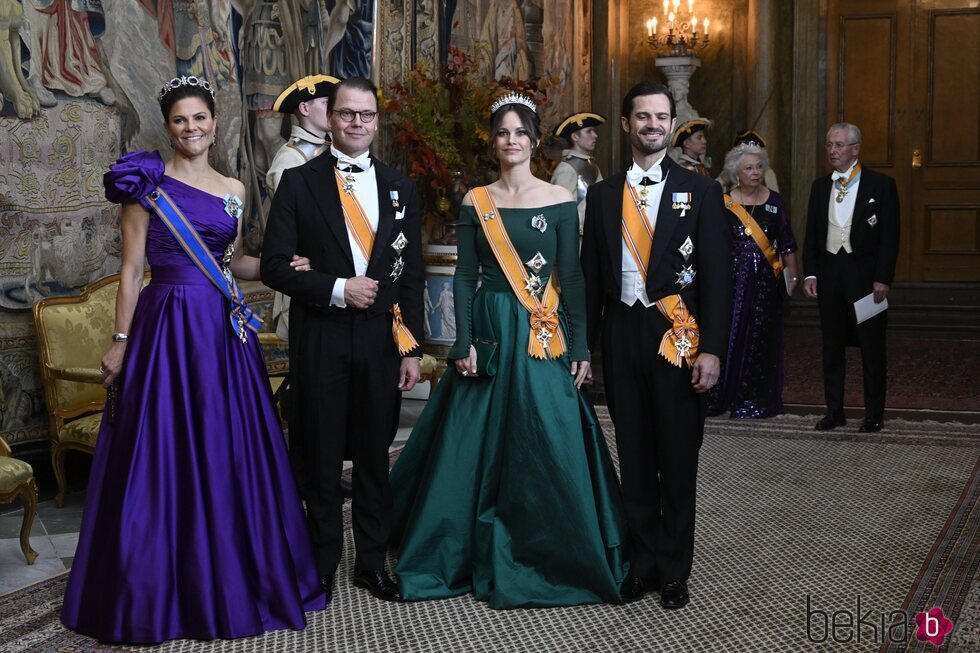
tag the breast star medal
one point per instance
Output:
(534, 284)
(686, 276)
(398, 265)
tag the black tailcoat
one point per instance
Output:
(659, 419)
(344, 365)
(844, 278)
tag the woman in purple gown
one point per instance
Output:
(751, 383)
(193, 527)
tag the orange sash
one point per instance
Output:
(355, 217)
(546, 339)
(636, 230)
(359, 225)
(680, 341)
(404, 339)
(755, 232)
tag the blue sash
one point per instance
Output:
(241, 316)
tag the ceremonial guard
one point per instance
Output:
(577, 169)
(306, 101)
(690, 138)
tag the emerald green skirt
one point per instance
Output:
(506, 488)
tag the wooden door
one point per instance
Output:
(907, 72)
(945, 127)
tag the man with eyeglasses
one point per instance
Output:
(850, 252)
(352, 344)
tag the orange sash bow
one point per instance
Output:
(680, 341)
(404, 339)
(546, 339)
(755, 232)
(355, 217)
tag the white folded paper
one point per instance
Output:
(865, 308)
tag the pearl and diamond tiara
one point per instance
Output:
(513, 98)
(185, 80)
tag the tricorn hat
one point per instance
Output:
(687, 129)
(578, 121)
(309, 88)
(749, 136)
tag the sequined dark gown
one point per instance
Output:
(751, 383)
(193, 527)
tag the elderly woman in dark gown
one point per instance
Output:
(765, 269)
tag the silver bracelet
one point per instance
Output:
(120, 337)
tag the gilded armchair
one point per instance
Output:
(72, 335)
(17, 482)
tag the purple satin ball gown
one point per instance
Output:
(193, 527)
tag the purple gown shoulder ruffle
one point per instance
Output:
(133, 176)
(193, 526)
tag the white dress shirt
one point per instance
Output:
(633, 286)
(366, 191)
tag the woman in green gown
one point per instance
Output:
(506, 488)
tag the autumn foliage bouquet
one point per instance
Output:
(439, 119)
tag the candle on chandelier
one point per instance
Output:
(694, 24)
(690, 6)
(706, 21)
(671, 19)
(666, 7)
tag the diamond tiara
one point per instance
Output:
(185, 80)
(513, 98)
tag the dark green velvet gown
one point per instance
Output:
(505, 487)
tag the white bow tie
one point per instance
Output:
(838, 175)
(363, 162)
(634, 175)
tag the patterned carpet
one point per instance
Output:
(783, 516)
(919, 373)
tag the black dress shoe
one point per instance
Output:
(632, 589)
(378, 583)
(674, 595)
(871, 426)
(830, 421)
(326, 582)
(346, 490)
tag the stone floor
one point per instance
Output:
(54, 534)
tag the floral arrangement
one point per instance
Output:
(439, 119)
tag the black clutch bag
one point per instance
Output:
(486, 357)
